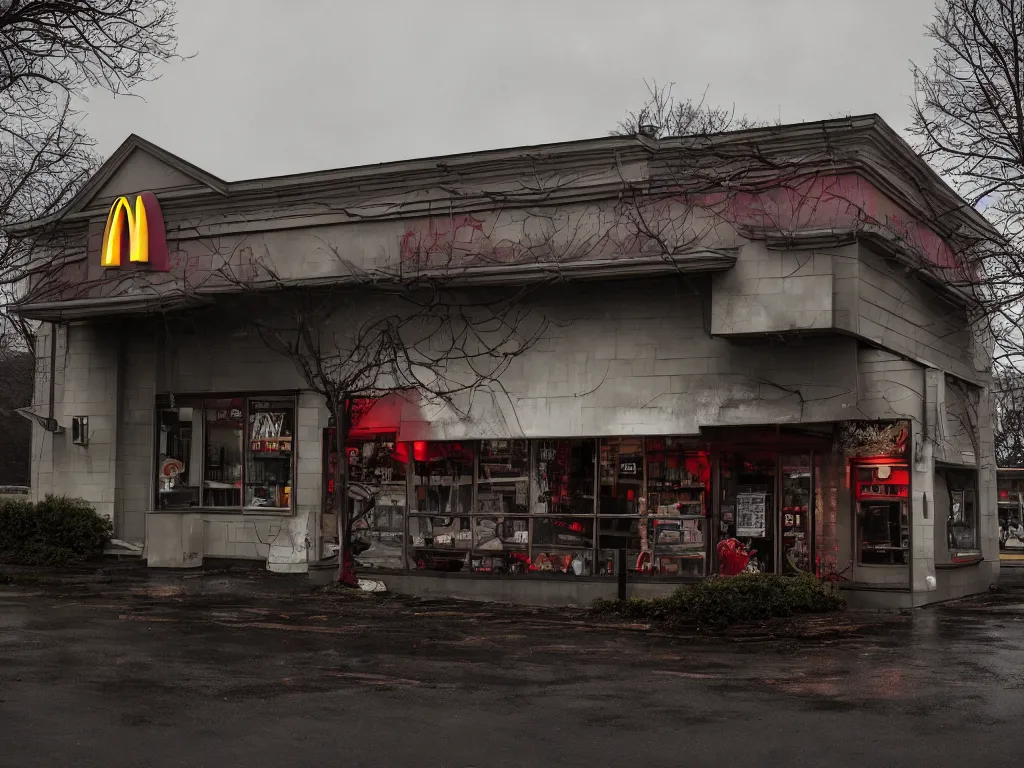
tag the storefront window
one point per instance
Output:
(678, 478)
(564, 477)
(1011, 521)
(377, 499)
(178, 466)
(440, 530)
(882, 496)
(962, 515)
(443, 479)
(268, 466)
(501, 545)
(225, 453)
(440, 543)
(621, 476)
(501, 542)
(222, 445)
(503, 477)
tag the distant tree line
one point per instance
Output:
(15, 431)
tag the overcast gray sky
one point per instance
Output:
(282, 86)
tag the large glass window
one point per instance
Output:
(1011, 521)
(962, 515)
(222, 451)
(377, 499)
(621, 476)
(501, 545)
(882, 495)
(440, 529)
(678, 477)
(230, 453)
(503, 477)
(518, 507)
(178, 465)
(564, 477)
(268, 467)
(501, 532)
(620, 503)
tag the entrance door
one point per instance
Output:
(766, 503)
(749, 483)
(795, 513)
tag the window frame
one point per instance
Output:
(170, 401)
(247, 451)
(905, 510)
(970, 489)
(480, 561)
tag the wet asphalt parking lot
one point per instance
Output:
(228, 669)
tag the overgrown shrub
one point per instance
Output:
(17, 523)
(55, 531)
(722, 601)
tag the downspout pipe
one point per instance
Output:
(51, 423)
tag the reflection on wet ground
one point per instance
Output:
(186, 654)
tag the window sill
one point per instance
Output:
(882, 565)
(961, 560)
(269, 512)
(533, 576)
(866, 586)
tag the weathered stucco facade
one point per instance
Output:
(784, 308)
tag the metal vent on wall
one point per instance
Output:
(80, 430)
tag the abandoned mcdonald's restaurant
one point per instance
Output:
(768, 382)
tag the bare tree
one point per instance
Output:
(968, 109)
(968, 120)
(418, 335)
(16, 370)
(51, 53)
(1008, 402)
(662, 114)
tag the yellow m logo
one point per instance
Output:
(125, 226)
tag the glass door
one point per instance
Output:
(748, 509)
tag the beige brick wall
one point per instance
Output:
(85, 385)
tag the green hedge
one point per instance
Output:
(55, 531)
(721, 601)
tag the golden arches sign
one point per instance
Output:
(137, 232)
